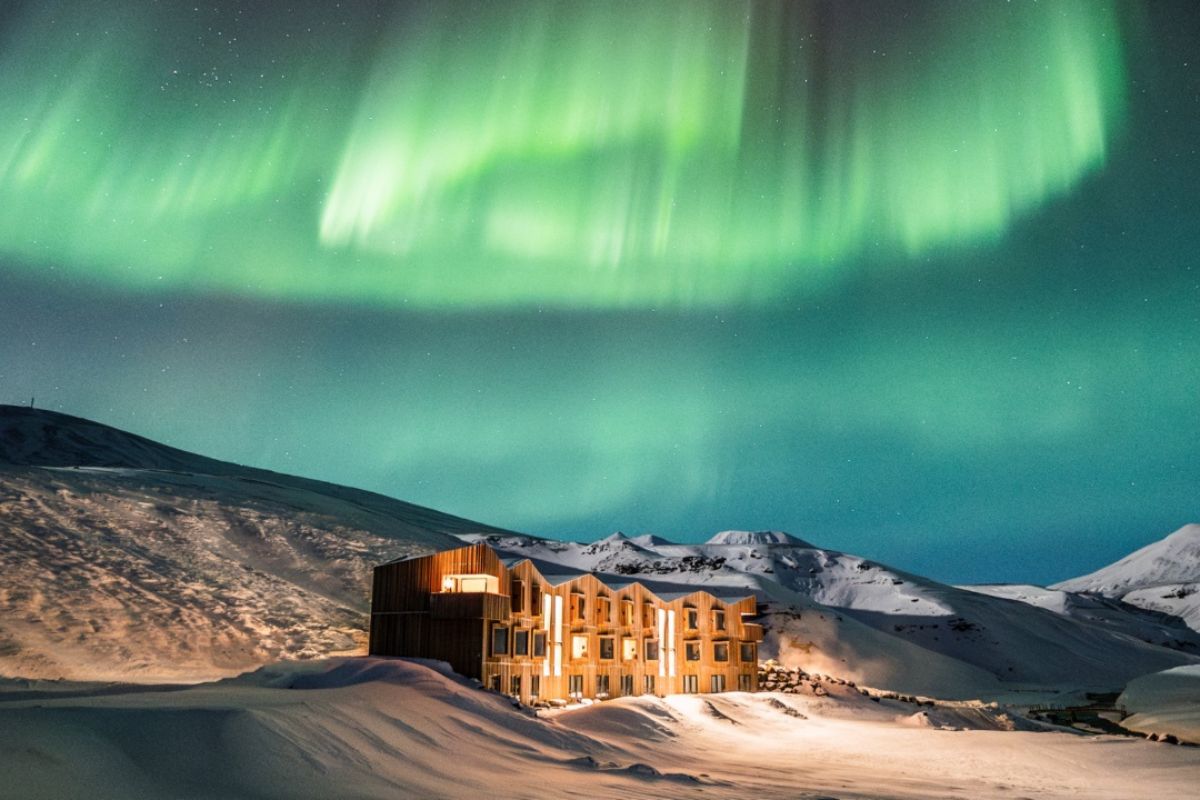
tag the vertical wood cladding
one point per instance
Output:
(607, 641)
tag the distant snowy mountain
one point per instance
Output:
(121, 558)
(845, 615)
(1163, 576)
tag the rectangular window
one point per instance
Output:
(535, 685)
(627, 612)
(518, 596)
(691, 684)
(499, 640)
(603, 610)
(535, 599)
(578, 607)
(629, 648)
(652, 649)
(649, 684)
(693, 618)
(718, 619)
(647, 615)
(539, 644)
(717, 684)
(576, 686)
(471, 583)
(514, 685)
(606, 647)
(691, 651)
(745, 683)
(494, 683)
(626, 684)
(521, 642)
(720, 651)
(601, 684)
(749, 653)
(579, 648)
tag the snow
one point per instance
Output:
(1165, 702)
(757, 537)
(381, 728)
(1163, 576)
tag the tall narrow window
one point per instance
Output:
(693, 619)
(603, 611)
(717, 684)
(539, 644)
(535, 598)
(718, 619)
(627, 613)
(691, 684)
(626, 685)
(578, 607)
(576, 686)
(535, 686)
(602, 684)
(518, 596)
(521, 642)
(514, 685)
(499, 640)
(649, 684)
(745, 683)
(647, 615)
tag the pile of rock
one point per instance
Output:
(774, 677)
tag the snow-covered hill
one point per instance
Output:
(121, 558)
(845, 615)
(1163, 576)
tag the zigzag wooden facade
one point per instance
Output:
(545, 638)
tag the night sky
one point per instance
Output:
(917, 281)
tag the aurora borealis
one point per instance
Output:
(914, 280)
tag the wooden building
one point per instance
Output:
(543, 637)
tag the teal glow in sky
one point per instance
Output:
(706, 152)
(913, 280)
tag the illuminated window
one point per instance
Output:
(499, 640)
(720, 651)
(629, 648)
(539, 644)
(579, 647)
(748, 653)
(652, 649)
(691, 651)
(521, 642)
(606, 647)
(471, 583)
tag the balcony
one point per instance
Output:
(753, 632)
(469, 605)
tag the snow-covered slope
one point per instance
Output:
(374, 728)
(124, 559)
(1163, 576)
(845, 615)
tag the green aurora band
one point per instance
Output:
(575, 155)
